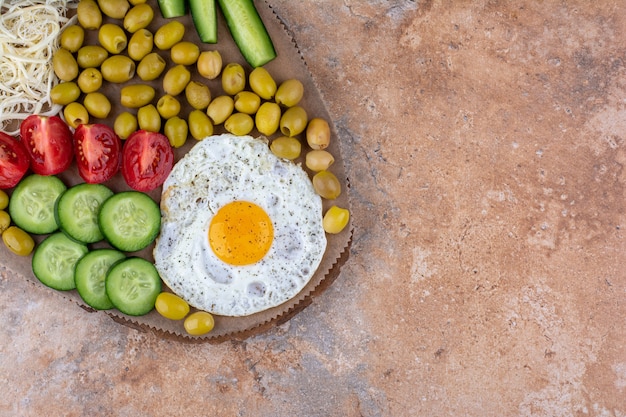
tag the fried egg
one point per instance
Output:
(241, 229)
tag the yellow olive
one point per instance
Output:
(151, 67)
(5, 221)
(335, 219)
(326, 185)
(118, 69)
(171, 306)
(140, 44)
(209, 64)
(136, 95)
(247, 102)
(75, 114)
(64, 93)
(176, 79)
(293, 121)
(72, 38)
(91, 56)
(136, 2)
(89, 14)
(239, 124)
(200, 126)
(149, 118)
(18, 241)
(115, 9)
(289, 93)
(185, 53)
(220, 109)
(176, 130)
(97, 104)
(286, 147)
(138, 17)
(112, 38)
(318, 133)
(125, 124)
(4, 200)
(168, 106)
(318, 160)
(169, 34)
(198, 95)
(233, 78)
(199, 323)
(89, 80)
(64, 65)
(262, 83)
(267, 118)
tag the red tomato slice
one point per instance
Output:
(48, 141)
(14, 161)
(147, 159)
(98, 152)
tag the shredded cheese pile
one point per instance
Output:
(29, 31)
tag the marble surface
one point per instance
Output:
(485, 144)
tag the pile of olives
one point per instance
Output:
(15, 239)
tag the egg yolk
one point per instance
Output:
(241, 233)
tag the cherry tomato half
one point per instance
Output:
(14, 161)
(98, 152)
(147, 159)
(48, 140)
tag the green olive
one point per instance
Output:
(169, 34)
(72, 38)
(140, 44)
(151, 67)
(138, 17)
(267, 118)
(318, 133)
(293, 121)
(233, 78)
(262, 83)
(176, 130)
(168, 106)
(112, 38)
(326, 185)
(91, 56)
(75, 114)
(89, 80)
(118, 69)
(134, 96)
(148, 118)
(185, 53)
(198, 95)
(88, 14)
(4, 200)
(247, 102)
(64, 65)
(220, 109)
(209, 64)
(200, 126)
(18, 241)
(125, 124)
(115, 9)
(286, 147)
(97, 104)
(64, 93)
(176, 79)
(335, 219)
(239, 124)
(289, 93)
(318, 160)
(5, 221)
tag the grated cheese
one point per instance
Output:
(29, 32)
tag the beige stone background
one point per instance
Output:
(485, 144)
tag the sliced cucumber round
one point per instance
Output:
(77, 211)
(133, 285)
(54, 261)
(90, 274)
(32, 203)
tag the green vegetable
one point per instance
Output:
(133, 285)
(204, 15)
(172, 8)
(248, 31)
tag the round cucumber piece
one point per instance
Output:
(54, 261)
(90, 274)
(77, 211)
(133, 285)
(32, 203)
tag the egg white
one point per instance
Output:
(216, 171)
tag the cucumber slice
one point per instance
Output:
(77, 211)
(133, 285)
(172, 8)
(204, 15)
(32, 203)
(130, 220)
(248, 31)
(90, 274)
(54, 261)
